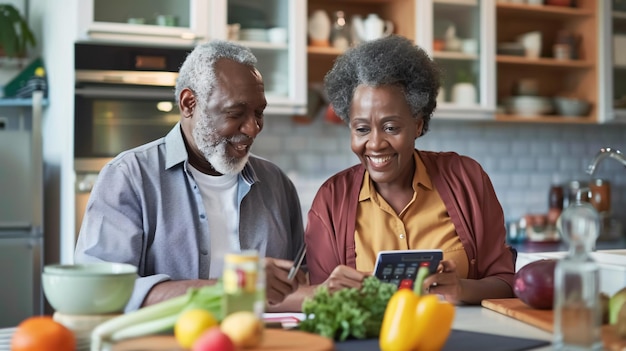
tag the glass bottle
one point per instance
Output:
(340, 34)
(577, 309)
(244, 283)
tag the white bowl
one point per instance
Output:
(571, 107)
(528, 105)
(90, 288)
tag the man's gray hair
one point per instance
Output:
(198, 71)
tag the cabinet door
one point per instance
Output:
(149, 21)
(275, 32)
(613, 58)
(459, 36)
(550, 72)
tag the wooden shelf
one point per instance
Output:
(323, 50)
(544, 119)
(543, 61)
(457, 2)
(454, 55)
(356, 1)
(263, 45)
(541, 11)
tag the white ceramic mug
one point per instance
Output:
(470, 46)
(464, 94)
(532, 43)
(277, 35)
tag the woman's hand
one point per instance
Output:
(445, 282)
(345, 277)
(277, 285)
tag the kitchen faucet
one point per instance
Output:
(604, 153)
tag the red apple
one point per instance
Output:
(213, 340)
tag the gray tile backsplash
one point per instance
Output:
(521, 159)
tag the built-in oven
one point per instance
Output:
(124, 97)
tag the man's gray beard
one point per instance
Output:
(213, 148)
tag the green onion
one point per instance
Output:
(159, 317)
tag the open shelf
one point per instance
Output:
(543, 119)
(549, 62)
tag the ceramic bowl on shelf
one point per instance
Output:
(511, 49)
(89, 288)
(571, 107)
(528, 105)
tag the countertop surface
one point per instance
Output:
(467, 319)
(480, 319)
(562, 246)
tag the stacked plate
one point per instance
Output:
(253, 34)
(82, 326)
(5, 338)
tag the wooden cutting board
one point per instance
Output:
(273, 340)
(544, 319)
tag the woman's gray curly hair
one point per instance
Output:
(393, 60)
(198, 71)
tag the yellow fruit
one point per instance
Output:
(244, 328)
(191, 324)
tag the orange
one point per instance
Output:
(42, 333)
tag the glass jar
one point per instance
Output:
(577, 308)
(244, 283)
(600, 190)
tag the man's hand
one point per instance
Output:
(277, 284)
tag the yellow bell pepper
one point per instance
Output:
(413, 322)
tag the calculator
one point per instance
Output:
(394, 266)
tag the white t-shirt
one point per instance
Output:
(219, 195)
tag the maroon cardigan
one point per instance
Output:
(466, 191)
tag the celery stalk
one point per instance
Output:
(150, 327)
(422, 273)
(157, 318)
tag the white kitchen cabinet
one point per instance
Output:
(172, 22)
(612, 48)
(276, 32)
(459, 35)
(423, 21)
(273, 29)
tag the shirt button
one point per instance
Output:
(202, 216)
(402, 236)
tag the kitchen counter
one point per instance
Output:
(467, 318)
(476, 319)
(480, 319)
(530, 247)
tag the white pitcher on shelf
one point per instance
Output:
(373, 27)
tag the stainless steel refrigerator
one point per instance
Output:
(21, 209)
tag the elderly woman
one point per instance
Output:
(400, 198)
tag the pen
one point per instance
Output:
(297, 262)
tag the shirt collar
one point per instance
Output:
(419, 177)
(176, 153)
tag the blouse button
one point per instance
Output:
(402, 236)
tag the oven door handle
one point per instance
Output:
(124, 92)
